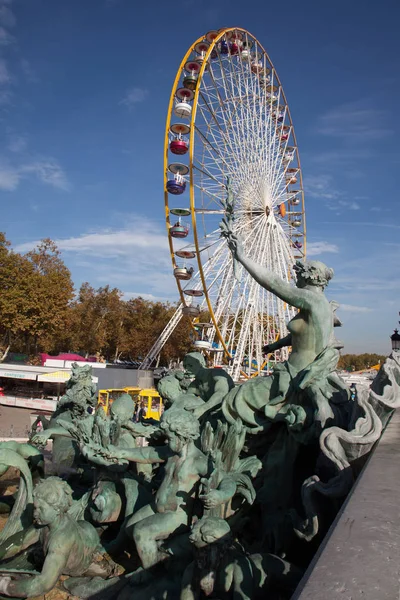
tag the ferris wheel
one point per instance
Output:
(228, 119)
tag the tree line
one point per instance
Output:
(360, 362)
(40, 311)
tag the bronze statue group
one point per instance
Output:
(228, 497)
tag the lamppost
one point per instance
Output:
(396, 339)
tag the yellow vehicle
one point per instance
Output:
(107, 397)
(151, 401)
(373, 368)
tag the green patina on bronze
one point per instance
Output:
(221, 568)
(299, 391)
(233, 485)
(74, 407)
(69, 546)
(185, 464)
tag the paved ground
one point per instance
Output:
(15, 422)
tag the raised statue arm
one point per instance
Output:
(268, 279)
(224, 492)
(113, 455)
(140, 429)
(147, 455)
(40, 439)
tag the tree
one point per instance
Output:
(36, 290)
(52, 293)
(97, 321)
(16, 285)
(143, 322)
(181, 340)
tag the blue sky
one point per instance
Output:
(84, 89)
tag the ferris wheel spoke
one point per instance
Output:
(210, 110)
(222, 102)
(223, 110)
(241, 94)
(237, 93)
(206, 173)
(208, 150)
(212, 147)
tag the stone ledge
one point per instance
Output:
(360, 557)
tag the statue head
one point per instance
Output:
(123, 408)
(80, 373)
(169, 389)
(193, 363)
(180, 427)
(312, 272)
(106, 503)
(51, 497)
(211, 530)
(80, 389)
(211, 537)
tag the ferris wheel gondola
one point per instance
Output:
(239, 128)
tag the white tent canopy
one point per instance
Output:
(27, 372)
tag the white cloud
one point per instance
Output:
(364, 224)
(17, 143)
(47, 171)
(141, 235)
(135, 257)
(28, 71)
(365, 284)
(367, 276)
(130, 295)
(134, 96)
(9, 178)
(355, 309)
(341, 157)
(7, 17)
(323, 187)
(5, 97)
(315, 248)
(350, 205)
(5, 37)
(4, 73)
(113, 242)
(358, 121)
(320, 186)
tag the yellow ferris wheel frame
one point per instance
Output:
(221, 33)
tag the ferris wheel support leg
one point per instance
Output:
(154, 353)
